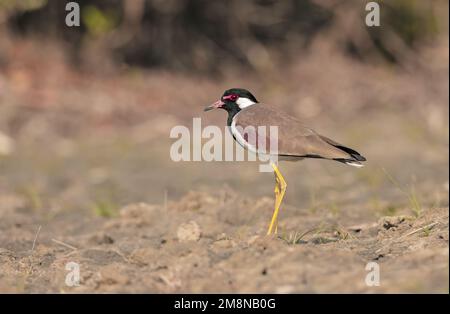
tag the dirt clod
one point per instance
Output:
(391, 222)
(188, 232)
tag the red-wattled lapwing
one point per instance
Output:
(295, 141)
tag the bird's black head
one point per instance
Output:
(233, 100)
(236, 93)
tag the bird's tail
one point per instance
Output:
(355, 160)
(353, 163)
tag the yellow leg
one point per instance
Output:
(280, 190)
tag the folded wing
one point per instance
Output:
(294, 139)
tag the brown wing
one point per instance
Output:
(294, 139)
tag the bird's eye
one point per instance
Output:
(232, 97)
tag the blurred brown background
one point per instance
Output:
(100, 99)
(85, 112)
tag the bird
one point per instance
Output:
(295, 140)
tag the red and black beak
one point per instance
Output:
(216, 105)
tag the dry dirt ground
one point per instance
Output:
(206, 243)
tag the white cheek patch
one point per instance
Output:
(243, 102)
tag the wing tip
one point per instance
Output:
(358, 157)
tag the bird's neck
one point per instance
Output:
(231, 114)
